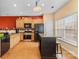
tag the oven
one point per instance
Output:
(27, 35)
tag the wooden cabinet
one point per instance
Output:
(14, 39)
(20, 23)
(29, 20)
(21, 35)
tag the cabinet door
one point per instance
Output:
(19, 24)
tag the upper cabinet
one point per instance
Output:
(29, 20)
(19, 23)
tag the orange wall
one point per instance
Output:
(10, 21)
(70, 8)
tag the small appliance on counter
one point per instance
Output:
(27, 35)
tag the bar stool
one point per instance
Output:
(58, 46)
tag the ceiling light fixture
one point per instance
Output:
(37, 8)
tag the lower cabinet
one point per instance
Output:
(0, 47)
(5, 45)
(48, 48)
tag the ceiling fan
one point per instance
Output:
(36, 3)
(39, 8)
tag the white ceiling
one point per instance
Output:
(25, 7)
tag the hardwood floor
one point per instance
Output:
(66, 55)
(30, 50)
(25, 50)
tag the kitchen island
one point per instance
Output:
(8, 41)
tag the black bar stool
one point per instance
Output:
(58, 46)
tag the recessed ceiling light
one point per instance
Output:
(14, 5)
(43, 4)
(52, 7)
(28, 4)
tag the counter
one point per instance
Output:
(14, 39)
(5, 43)
(8, 41)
